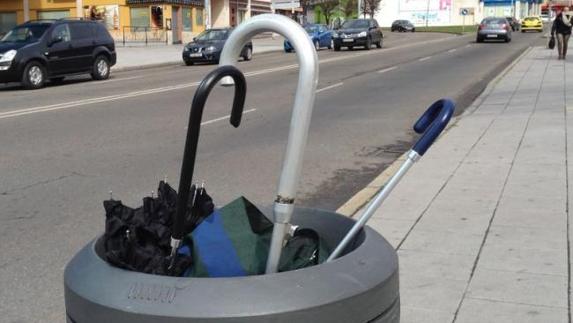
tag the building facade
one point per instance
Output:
(156, 20)
(449, 12)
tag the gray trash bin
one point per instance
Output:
(361, 286)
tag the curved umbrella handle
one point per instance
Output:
(192, 139)
(432, 123)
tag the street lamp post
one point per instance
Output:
(26, 10)
(427, 13)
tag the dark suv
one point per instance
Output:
(358, 32)
(42, 50)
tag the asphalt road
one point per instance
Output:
(63, 148)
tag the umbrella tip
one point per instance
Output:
(152, 194)
(111, 195)
(165, 178)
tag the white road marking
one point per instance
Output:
(452, 50)
(74, 104)
(329, 87)
(468, 45)
(225, 117)
(388, 69)
(425, 58)
(120, 79)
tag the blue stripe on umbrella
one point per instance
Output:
(216, 250)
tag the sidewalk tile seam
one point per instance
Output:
(517, 303)
(503, 189)
(486, 268)
(565, 108)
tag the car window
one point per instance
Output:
(25, 33)
(102, 32)
(82, 31)
(63, 31)
(358, 23)
(213, 34)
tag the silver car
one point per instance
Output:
(494, 28)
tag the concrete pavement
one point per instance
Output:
(129, 58)
(481, 222)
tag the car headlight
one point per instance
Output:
(8, 56)
(211, 49)
(363, 34)
(185, 49)
(335, 35)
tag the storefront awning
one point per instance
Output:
(196, 3)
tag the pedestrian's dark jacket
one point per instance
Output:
(560, 27)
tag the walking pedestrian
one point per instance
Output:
(562, 27)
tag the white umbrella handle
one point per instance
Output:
(300, 120)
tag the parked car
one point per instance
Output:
(494, 28)
(514, 23)
(402, 25)
(320, 35)
(358, 32)
(42, 50)
(532, 23)
(208, 45)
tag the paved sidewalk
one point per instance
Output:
(481, 222)
(157, 55)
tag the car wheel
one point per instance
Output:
(248, 54)
(523, 31)
(34, 76)
(336, 48)
(188, 63)
(479, 40)
(316, 45)
(350, 48)
(100, 70)
(413, 30)
(368, 43)
(507, 39)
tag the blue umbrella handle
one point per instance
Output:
(432, 123)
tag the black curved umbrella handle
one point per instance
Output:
(432, 123)
(192, 139)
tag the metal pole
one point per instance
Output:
(359, 9)
(79, 9)
(427, 13)
(26, 10)
(375, 204)
(300, 120)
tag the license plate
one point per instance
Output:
(491, 36)
(348, 40)
(195, 55)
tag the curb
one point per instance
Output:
(360, 199)
(173, 63)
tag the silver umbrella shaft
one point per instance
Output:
(375, 204)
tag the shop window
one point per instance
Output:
(199, 17)
(157, 16)
(187, 19)
(7, 21)
(53, 14)
(139, 17)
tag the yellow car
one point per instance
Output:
(531, 23)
